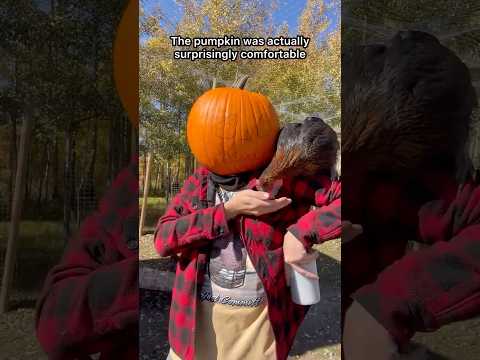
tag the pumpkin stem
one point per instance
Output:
(241, 82)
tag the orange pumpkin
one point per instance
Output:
(125, 60)
(231, 130)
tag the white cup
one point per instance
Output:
(304, 290)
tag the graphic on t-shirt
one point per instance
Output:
(231, 278)
(227, 265)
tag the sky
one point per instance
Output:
(288, 11)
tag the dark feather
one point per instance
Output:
(304, 149)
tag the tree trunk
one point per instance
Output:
(13, 156)
(67, 181)
(55, 191)
(187, 165)
(119, 143)
(28, 178)
(18, 196)
(162, 179)
(86, 199)
(93, 160)
(46, 192)
(143, 213)
(168, 184)
(364, 30)
(111, 151)
(45, 160)
(177, 170)
(144, 174)
(157, 180)
(73, 178)
(116, 147)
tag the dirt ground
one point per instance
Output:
(17, 336)
(456, 341)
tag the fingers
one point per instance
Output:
(261, 207)
(260, 195)
(275, 205)
(281, 202)
(263, 195)
(304, 272)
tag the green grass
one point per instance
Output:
(155, 208)
(36, 235)
(157, 202)
(47, 236)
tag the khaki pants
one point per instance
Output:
(227, 332)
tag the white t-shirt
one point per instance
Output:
(231, 278)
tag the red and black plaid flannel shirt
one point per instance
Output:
(427, 289)
(90, 301)
(192, 221)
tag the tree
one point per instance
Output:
(168, 88)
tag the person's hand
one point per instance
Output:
(350, 231)
(251, 202)
(296, 255)
(364, 338)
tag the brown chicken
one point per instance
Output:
(303, 149)
(406, 105)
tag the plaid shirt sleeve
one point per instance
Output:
(92, 294)
(437, 285)
(324, 222)
(185, 225)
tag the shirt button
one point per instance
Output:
(220, 230)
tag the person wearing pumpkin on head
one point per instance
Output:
(230, 298)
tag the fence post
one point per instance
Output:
(146, 186)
